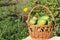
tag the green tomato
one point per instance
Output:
(32, 21)
(45, 17)
(49, 22)
(41, 22)
(34, 18)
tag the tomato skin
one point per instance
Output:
(49, 22)
(33, 20)
(41, 22)
(45, 17)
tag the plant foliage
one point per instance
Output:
(12, 17)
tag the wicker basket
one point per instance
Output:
(34, 29)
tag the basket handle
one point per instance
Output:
(50, 13)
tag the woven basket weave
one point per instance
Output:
(39, 32)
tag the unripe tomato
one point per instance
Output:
(41, 22)
(49, 22)
(33, 20)
(45, 17)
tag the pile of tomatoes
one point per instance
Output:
(41, 20)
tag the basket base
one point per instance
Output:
(39, 39)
